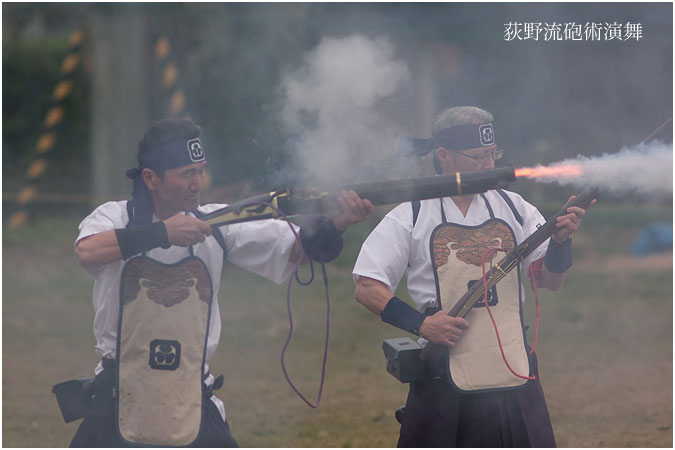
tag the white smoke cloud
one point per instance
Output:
(334, 106)
(646, 169)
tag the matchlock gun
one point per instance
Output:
(299, 201)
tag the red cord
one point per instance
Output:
(494, 324)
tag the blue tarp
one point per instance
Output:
(655, 238)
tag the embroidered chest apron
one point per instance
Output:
(475, 364)
(161, 347)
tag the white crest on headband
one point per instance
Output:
(487, 136)
(195, 149)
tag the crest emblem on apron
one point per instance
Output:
(164, 355)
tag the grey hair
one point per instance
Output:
(460, 115)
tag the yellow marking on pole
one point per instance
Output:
(18, 219)
(46, 142)
(69, 63)
(170, 75)
(177, 102)
(76, 38)
(26, 194)
(162, 49)
(37, 168)
(54, 116)
(459, 183)
(62, 90)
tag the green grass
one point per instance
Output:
(605, 345)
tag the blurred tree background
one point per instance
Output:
(551, 100)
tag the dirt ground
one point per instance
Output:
(605, 348)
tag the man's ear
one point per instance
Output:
(150, 179)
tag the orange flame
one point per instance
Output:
(569, 170)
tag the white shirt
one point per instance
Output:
(262, 247)
(394, 246)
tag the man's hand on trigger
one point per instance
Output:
(185, 230)
(443, 329)
(354, 209)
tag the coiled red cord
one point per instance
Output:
(494, 323)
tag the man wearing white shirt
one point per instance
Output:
(156, 269)
(470, 398)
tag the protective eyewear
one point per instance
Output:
(492, 154)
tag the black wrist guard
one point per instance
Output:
(401, 315)
(320, 239)
(558, 256)
(135, 240)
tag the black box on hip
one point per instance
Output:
(403, 359)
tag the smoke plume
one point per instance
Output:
(646, 169)
(335, 107)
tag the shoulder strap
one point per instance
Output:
(509, 202)
(130, 211)
(216, 231)
(416, 204)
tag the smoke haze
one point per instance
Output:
(335, 108)
(646, 169)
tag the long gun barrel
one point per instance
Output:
(298, 201)
(511, 260)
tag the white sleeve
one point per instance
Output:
(385, 253)
(108, 216)
(262, 247)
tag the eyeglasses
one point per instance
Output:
(492, 154)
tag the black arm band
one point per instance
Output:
(401, 315)
(135, 240)
(558, 256)
(320, 239)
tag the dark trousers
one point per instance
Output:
(99, 430)
(436, 415)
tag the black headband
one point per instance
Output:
(461, 137)
(170, 155)
(160, 158)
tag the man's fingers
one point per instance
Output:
(461, 323)
(354, 203)
(343, 204)
(570, 199)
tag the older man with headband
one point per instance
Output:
(468, 397)
(156, 269)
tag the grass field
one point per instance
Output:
(605, 346)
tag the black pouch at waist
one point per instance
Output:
(73, 398)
